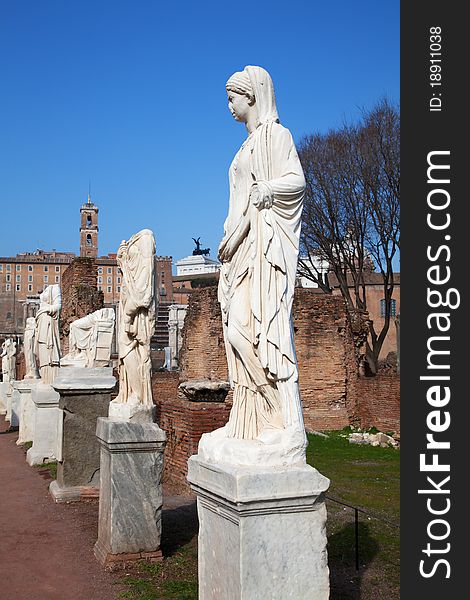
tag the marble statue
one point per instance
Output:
(136, 320)
(9, 360)
(90, 340)
(259, 254)
(47, 346)
(28, 341)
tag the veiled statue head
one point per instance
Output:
(251, 95)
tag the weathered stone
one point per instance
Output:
(131, 494)
(47, 425)
(27, 410)
(268, 529)
(205, 390)
(85, 395)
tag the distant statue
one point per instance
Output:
(198, 251)
(259, 254)
(9, 360)
(47, 346)
(136, 316)
(90, 340)
(28, 341)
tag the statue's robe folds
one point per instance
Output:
(136, 318)
(47, 344)
(256, 285)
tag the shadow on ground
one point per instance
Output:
(179, 526)
(345, 580)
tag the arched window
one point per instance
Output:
(88, 220)
(88, 239)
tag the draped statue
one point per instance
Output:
(47, 345)
(136, 319)
(9, 360)
(259, 254)
(90, 340)
(29, 356)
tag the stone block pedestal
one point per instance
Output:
(131, 494)
(27, 410)
(261, 532)
(8, 401)
(4, 386)
(85, 395)
(47, 425)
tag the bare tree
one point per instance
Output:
(351, 210)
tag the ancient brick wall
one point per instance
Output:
(80, 295)
(184, 422)
(378, 402)
(328, 349)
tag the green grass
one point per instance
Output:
(369, 478)
(362, 476)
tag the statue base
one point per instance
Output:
(47, 425)
(261, 531)
(127, 411)
(27, 410)
(131, 495)
(85, 395)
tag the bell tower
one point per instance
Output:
(89, 229)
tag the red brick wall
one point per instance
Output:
(80, 295)
(328, 350)
(378, 401)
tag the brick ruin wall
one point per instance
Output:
(333, 395)
(80, 295)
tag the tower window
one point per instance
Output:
(88, 220)
(88, 239)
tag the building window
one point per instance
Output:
(57, 278)
(100, 269)
(8, 267)
(18, 278)
(8, 277)
(8, 287)
(30, 278)
(18, 287)
(88, 239)
(109, 289)
(46, 268)
(119, 280)
(30, 268)
(110, 270)
(1, 268)
(100, 288)
(118, 289)
(18, 267)
(57, 269)
(46, 279)
(100, 280)
(393, 308)
(88, 221)
(109, 280)
(30, 287)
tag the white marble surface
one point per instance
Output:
(136, 318)
(27, 410)
(261, 532)
(3, 397)
(29, 337)
(90, 340)
(15, 405)
(47, 427)
(8, 355)
(8, 401)
(128, 411)
(47, 343)
(131, 494)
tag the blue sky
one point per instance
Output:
(130, 95)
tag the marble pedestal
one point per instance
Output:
(14, 402)
(3, 397)
(131, 494)
(261, 532)
(27, 410)
(85, 395)
(47, 425)
(8, 401)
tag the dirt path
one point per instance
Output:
(46, 549)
